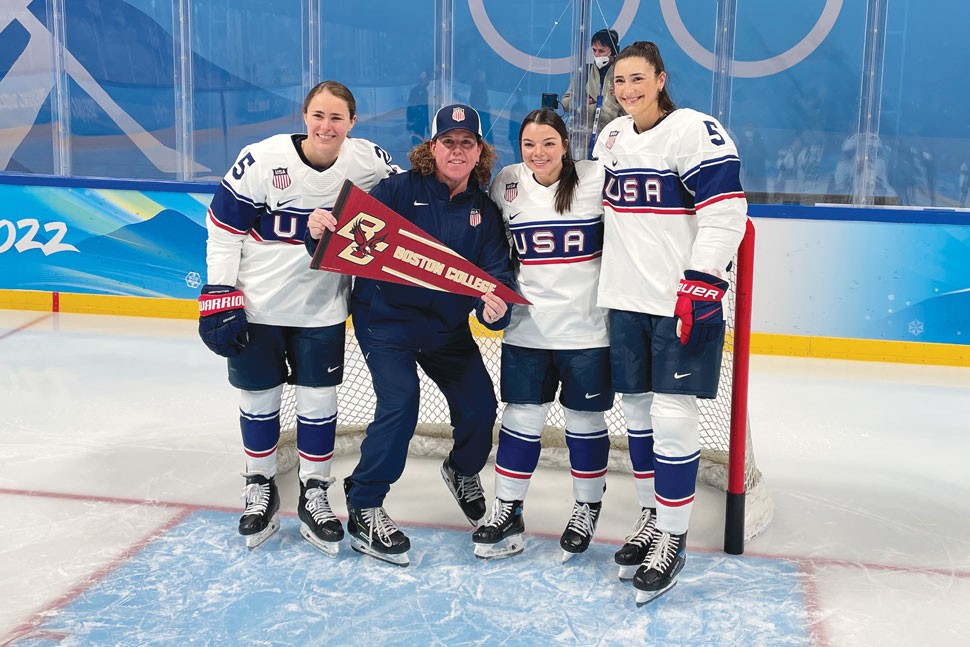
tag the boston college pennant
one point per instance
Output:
(375, 242)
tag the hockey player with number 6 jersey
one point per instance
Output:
(274, 318)
(674, 216)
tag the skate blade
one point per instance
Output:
(400, 559)
(644, 597)
(566, 556)
(506, 548)
(252, 541)
(329, 548)
(627, 572)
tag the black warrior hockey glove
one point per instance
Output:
(222, 320)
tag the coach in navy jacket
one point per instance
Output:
(400, 327)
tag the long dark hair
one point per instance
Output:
(651, 53)
(568, 177)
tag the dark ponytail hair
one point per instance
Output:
(568, 177)
(651, 53)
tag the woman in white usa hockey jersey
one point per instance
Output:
(674, 216)
(273, 317)
(553, 210)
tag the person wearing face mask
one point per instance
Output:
(400, 327)
(274, 318)
(553, 208)
(605, 45)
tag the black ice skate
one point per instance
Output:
(318, 524)
(467, 491)
(259, 520)
(374, 533)
(580, 528)
(501, 535)
(637, 545)
(658, 573)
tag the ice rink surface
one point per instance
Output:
(120, 492)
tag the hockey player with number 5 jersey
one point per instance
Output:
(552, 207)
(674, 216)
(274, 318)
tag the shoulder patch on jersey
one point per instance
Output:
(611, 139)
(281, 179)
(511, 191)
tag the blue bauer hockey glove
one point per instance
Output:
(698, 310)
(222, 320)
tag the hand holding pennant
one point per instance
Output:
(373, 241)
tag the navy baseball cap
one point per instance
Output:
(454, 117)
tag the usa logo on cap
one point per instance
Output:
(511, 191)
(458, 114)
(281, 179)
(475, 218)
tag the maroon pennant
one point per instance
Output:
(373, 241)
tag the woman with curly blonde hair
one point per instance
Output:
(400, 327)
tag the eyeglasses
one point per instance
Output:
(466, 143)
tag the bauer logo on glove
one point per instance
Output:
(699, 314)
(222, 320)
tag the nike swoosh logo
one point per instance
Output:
(615, 162)
(680, 376)
(420, 204)
(590, 396)
(281, 203)
(331, 369)
(511, 218)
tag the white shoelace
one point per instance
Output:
(256, 496)
(500, 512)
(318, 504)
(469, 488)
(583, 519)
(379, 524)
(662, 552)
(644, 529)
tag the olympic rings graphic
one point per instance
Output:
(752, 69)
(538, 64)
(668, 8)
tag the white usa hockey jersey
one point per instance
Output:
(672, 201)
(257, 221)
(558, 259)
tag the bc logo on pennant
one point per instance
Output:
(458, 114)
(475, 218)
(281, 179)
(511, 191)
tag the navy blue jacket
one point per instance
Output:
(430, 312)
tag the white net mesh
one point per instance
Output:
(356, 402)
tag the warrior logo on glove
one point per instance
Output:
(699, 314)
(222, 320)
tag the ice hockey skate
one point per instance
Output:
(580, 528)
(658, 573)
(501, 535)
(259, 520)
(467, 491)
(634, 551)
(372, 532)
(318, 524)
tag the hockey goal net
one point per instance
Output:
(727, 455)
